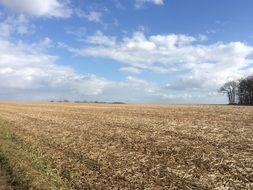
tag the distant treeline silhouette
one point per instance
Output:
(84, 101)
(239, 92)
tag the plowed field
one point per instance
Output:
(100, 146)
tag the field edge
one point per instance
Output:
(23, 164)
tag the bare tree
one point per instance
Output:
(230, 89)
(245, 91)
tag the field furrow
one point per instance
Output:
(134, 147)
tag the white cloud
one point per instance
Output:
(18, 25)
(200, 66)
(28, 69)
(92, 16)
(100, 39)
(30, 74)
(140, 3)
(39, 8)
(130, 70)
(24, 68)
(202, 37)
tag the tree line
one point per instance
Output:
(240, 91)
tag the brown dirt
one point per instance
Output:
(139, 147)
(4, 185)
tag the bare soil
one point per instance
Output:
(4, 183)
(92, 146)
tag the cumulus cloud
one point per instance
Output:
(140, 3)
(100, 39)
(28, 73)
(199, 66)
(39, 8)
(28, 69)
(33, 75)
(25, 68)
(15, 25)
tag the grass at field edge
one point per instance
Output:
(23, 163)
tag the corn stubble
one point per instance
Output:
(91, 146)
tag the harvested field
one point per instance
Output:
(4, 181)
(92, 146)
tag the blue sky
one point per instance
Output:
(137, 51)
